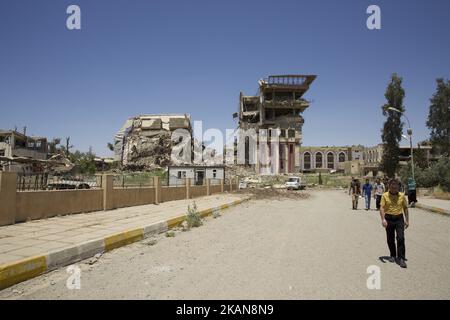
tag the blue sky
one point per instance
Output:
(137, 57)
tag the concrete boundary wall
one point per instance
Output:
(32, 205)
(19, 206)
(133, 197)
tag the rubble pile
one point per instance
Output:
(273, 193)
(144, 142)
(149, 152)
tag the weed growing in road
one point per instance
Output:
(193, 217)
(216, 214)
(170, 234)
(151, 242)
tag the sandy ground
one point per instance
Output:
(312, 248)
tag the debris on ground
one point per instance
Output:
(170, 234)
(273, 193)
(185, 226)
(150, 241)
(94, 259)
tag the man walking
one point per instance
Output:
(395, 219)
(379, 190)
(412, 197)
(367, 192)
(355, 191)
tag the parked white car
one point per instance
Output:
(295, 183)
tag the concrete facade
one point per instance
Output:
(275, 116)
(14, 144)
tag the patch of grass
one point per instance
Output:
(438, 193)
(170, 234)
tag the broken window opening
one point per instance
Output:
(330, 160)
(319, 160)
(307, 161)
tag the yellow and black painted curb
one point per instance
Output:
(432, 209)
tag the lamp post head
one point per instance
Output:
(409, 131)
(394, 109)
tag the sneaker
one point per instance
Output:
(402, 263)
(391, 259)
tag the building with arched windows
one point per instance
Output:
(316, 159)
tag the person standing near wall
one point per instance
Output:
(367, 193)
(395, 219)
(379, 190)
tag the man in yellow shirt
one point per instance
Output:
(395, 219)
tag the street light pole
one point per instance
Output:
(409, 131)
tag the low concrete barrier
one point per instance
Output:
(19, 206)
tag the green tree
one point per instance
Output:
(420, 158)
(84, 161)
(392, 129)
(439, 117)
(53, 145)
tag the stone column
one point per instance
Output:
(108, 191)
(208, 186)
(8, 197)
(188, 188)
(157, 186)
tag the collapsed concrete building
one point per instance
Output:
(276, 108)
(144, 142)
(17, 150)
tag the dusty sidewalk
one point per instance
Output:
(434, 205)
(44, 244)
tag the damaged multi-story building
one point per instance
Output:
(21, 153)
(276, 108)
(144, 142)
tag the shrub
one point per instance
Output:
(436, 175)
(193, 217)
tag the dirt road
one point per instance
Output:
(313, 248)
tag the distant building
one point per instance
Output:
(17, 149)
(323, 159)
(276, 108)
(197, 174)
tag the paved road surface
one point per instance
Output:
(316, 248)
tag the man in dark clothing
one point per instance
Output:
(395, 218)
(367, 192)
(355, 192)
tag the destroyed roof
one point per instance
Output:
(288, 81)
(20, 134)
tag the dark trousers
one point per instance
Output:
(378, 201)
(396, 225)
(412, 198)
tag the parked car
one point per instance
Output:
(295, 183)
(68, 185)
